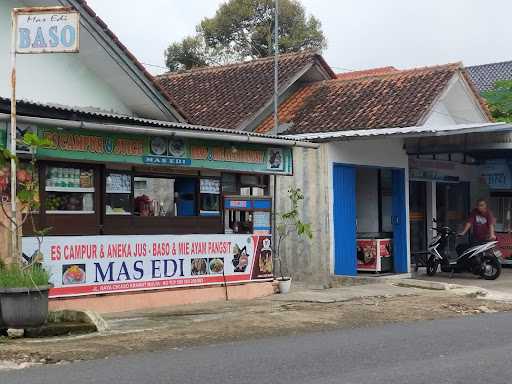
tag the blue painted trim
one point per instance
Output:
(344, 212)
(399, 222)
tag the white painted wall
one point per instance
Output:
(457, 105)
(53, 78)
(440, 116)
(387, 153)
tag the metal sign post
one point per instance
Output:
(36, 30)
(12, 145)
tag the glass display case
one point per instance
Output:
(69, 190)
(247, 215)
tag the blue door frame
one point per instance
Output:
(344, 210)
(344, 220)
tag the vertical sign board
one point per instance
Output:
(51, 30)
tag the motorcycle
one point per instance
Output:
(481, 259)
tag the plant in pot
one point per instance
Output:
(24, 284)
(289, 223)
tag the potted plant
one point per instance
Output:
(289, 223)
(23, 281)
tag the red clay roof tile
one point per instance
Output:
(390, 99)
(226, 96)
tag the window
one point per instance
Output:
(158, 196)
(154, 196)
(69, 190)
(118, 188)
(210, 197)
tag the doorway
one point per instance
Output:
(369, 210)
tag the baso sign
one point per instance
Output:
(46, 30)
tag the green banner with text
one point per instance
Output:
(165, 151)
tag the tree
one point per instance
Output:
(500, 100)
(243, 30)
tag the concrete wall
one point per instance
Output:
(312, 261)
(308, 260)
(52, 78)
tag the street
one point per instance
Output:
(465, 350)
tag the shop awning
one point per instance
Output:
(404, 132)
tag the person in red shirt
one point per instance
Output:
(481, 222)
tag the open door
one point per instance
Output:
(399, 222)
(344, 211)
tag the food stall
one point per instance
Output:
(125, 211)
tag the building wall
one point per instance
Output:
(52, 78)
(388, 153)
(308, 260)
(312, 261)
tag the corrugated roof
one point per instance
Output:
(414, 131)
(79, 113)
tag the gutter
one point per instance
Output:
(240, 137)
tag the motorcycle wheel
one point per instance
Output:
(491, 268)
(432, 266)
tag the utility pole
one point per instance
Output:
(276, 117)
(276, 69)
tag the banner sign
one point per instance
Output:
(162, 151)
(47, 31)
(86, 265)
(498, 174)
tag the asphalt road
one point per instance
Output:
(468, 350)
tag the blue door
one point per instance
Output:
(344, 210)
(399, 222)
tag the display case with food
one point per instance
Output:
(69, 190)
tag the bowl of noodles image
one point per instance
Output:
(216, 265)
(73, 274)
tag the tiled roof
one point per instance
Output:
(365, 73)
(226, 96)
(484, 76)
(395, 99)
(170, 98)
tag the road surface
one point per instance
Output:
(468, 350)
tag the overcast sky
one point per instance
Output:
(361, 33)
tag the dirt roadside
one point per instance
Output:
(233, 321)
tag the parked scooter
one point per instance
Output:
(482, 259)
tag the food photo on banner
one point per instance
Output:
(103, 264)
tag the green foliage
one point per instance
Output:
(290, 222)
(500, 100)
(189, 53)
(242, 30)
(15, 276)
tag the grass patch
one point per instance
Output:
(14, 276)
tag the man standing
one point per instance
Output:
(481, 222)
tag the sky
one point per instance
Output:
(361, 34)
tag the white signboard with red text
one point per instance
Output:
(83, 265)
